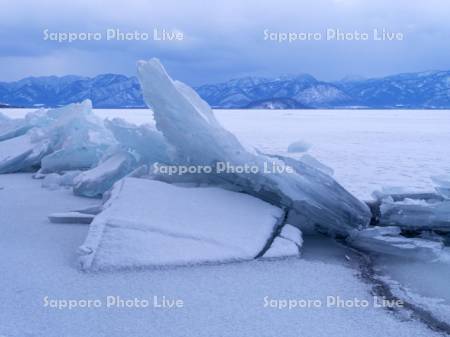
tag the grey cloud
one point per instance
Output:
(224, 39)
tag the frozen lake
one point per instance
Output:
(367, 149)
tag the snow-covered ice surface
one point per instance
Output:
(423, 284)
(367, 149)
(288, 242)
(38, 259)
(398, 148)
(395, 147)
(148, 223)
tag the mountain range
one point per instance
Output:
(424, 90)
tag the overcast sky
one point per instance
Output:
(225, 39)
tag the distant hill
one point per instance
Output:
(425, 90)
(276, 103)
(303, 89)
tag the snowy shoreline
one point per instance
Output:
(40, 259)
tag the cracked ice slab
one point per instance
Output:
(147, 223)
(282, 248)
(288, 243)
(416, 214)
(292, 234)
(389, 241)
(189, 125)
(413, 211)
(71, 218)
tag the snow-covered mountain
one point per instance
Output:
(413, 90)
(303, 89)
(105, 91)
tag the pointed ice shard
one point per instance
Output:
(54, 140)
(145, 140)
(189, 125)
(79, 138)
(96, 181)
